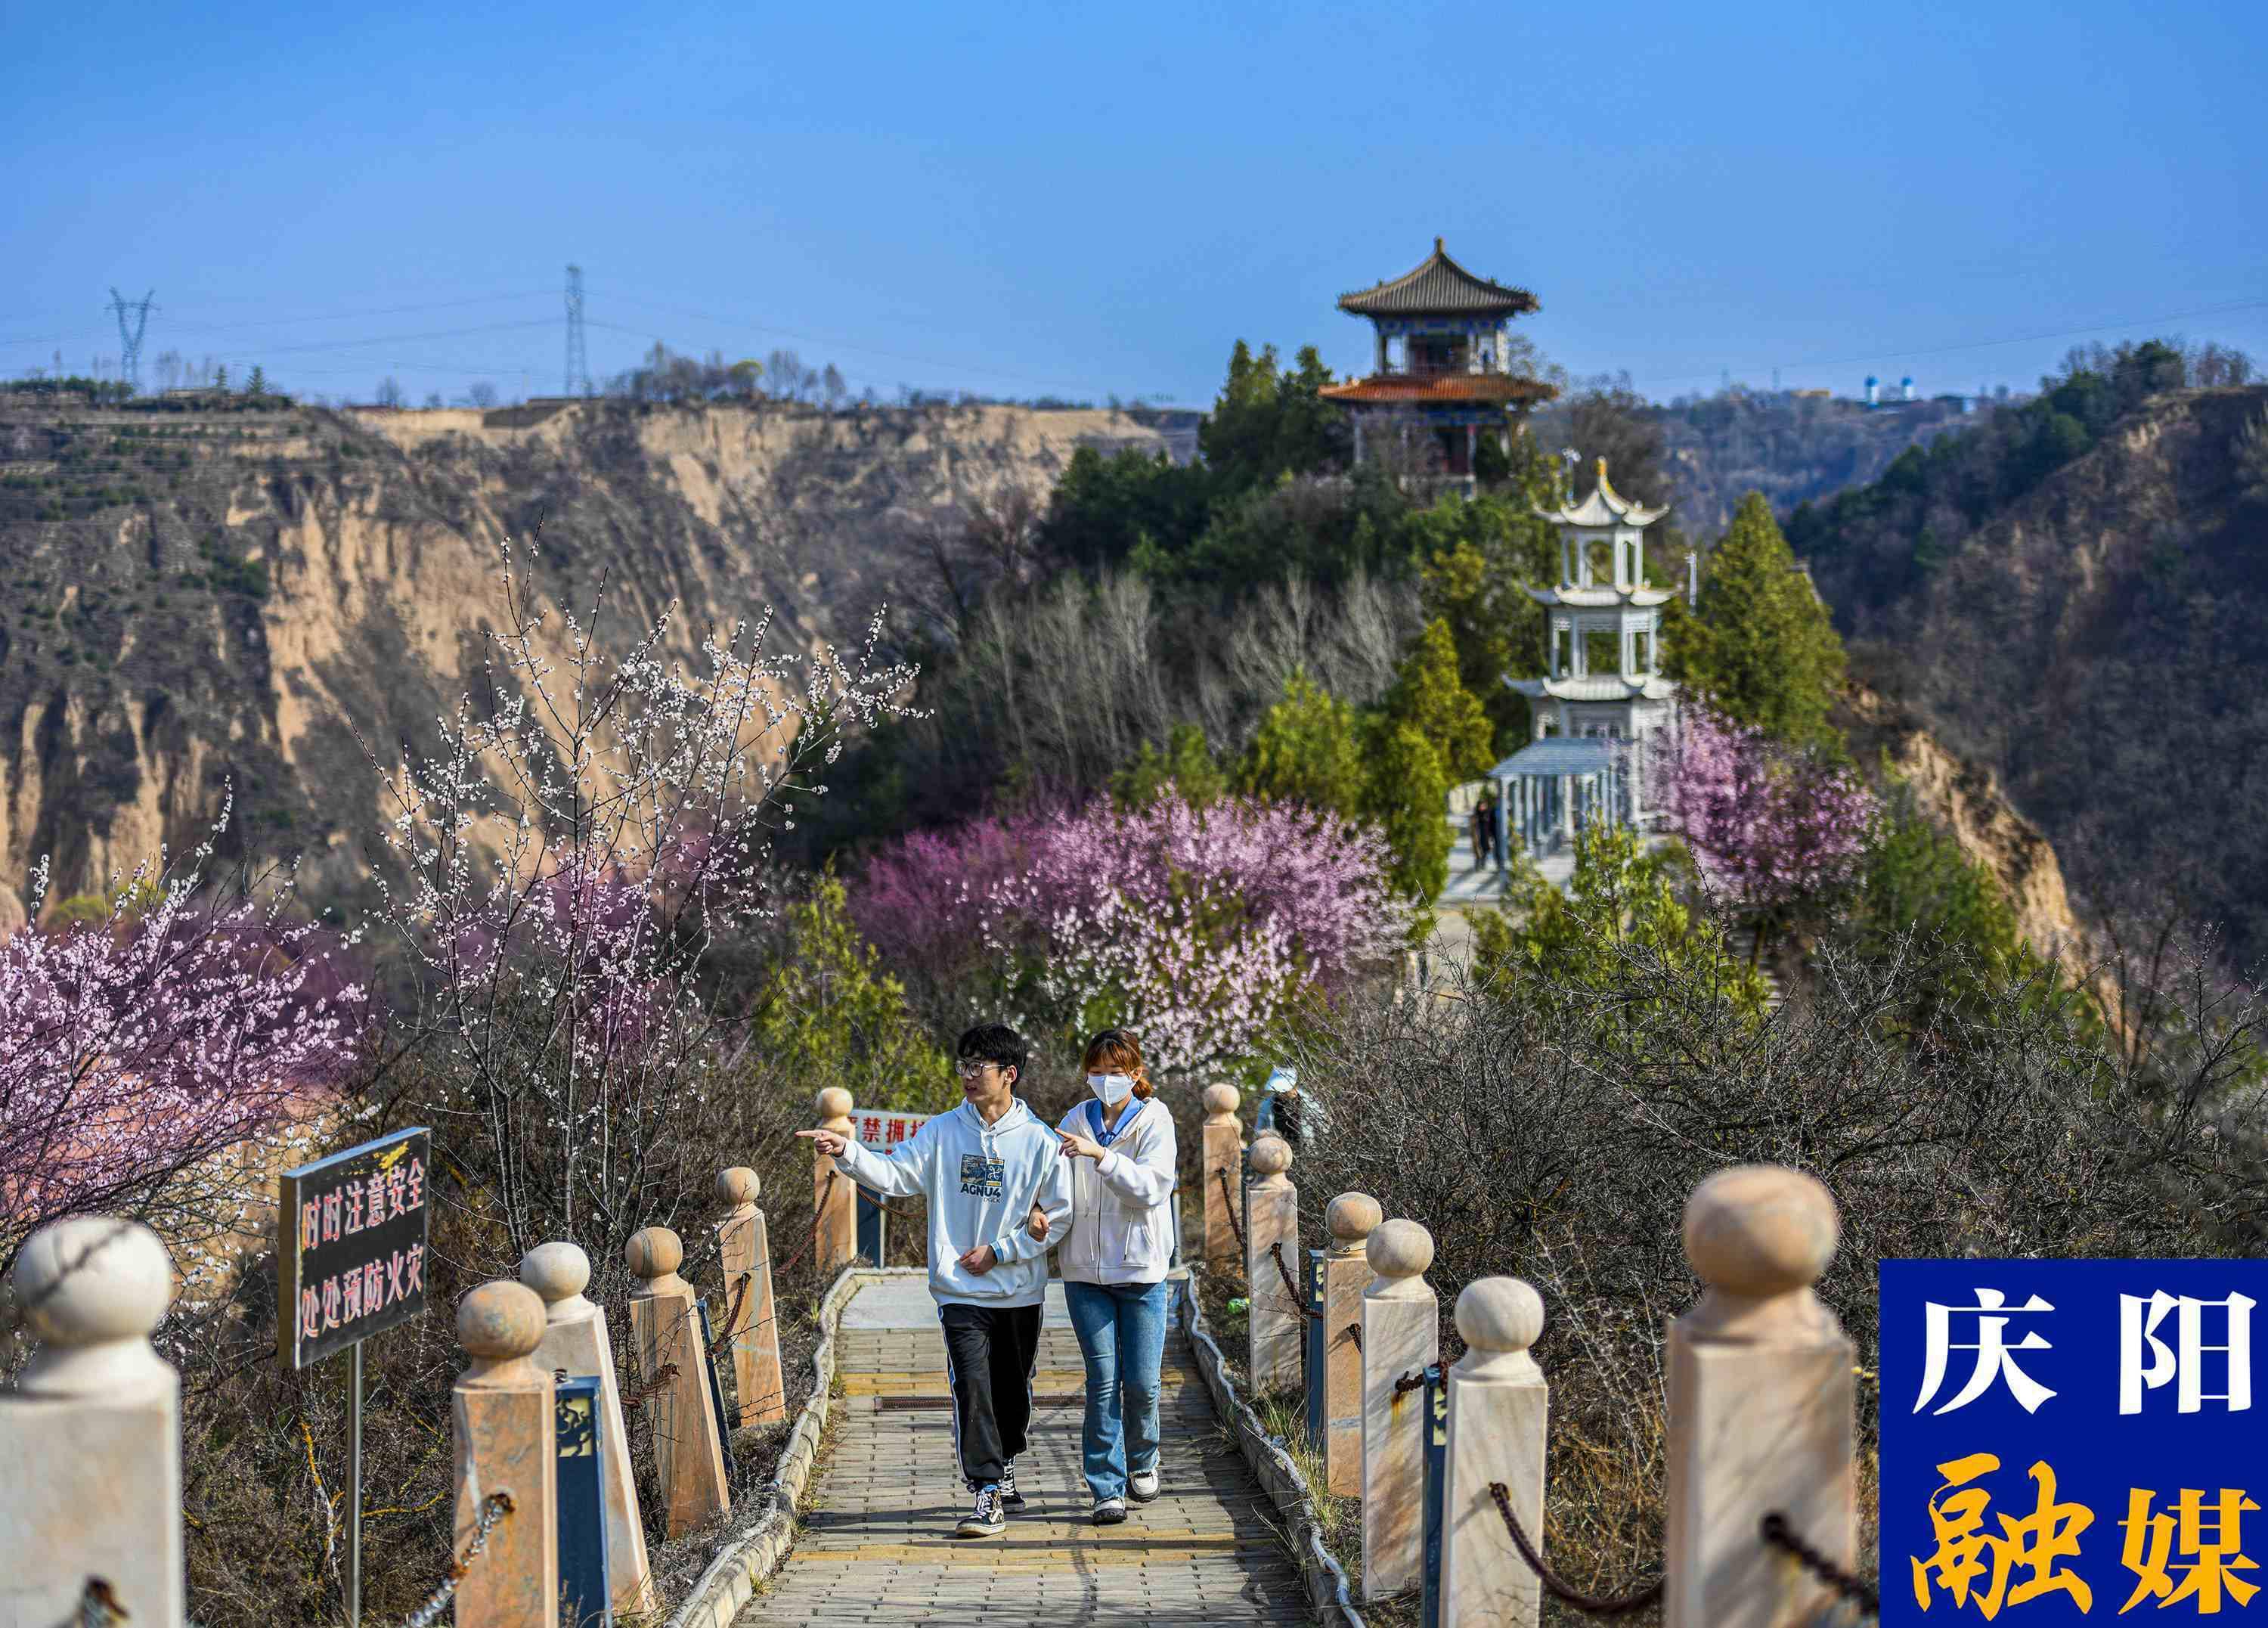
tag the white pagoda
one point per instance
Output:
(1602, 696)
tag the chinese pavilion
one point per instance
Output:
(1440, 358)
(1602, 697)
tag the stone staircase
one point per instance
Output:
(1741, 945)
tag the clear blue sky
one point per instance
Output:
(1089, 199)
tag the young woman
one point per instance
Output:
(1120, 1145)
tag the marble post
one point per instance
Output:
(746, 1249)
(1224, 1155)
(1761, 1406)
(506, 1440)
(1499, 1407)
(90, 1438)
(1399, 1338)
(574, 1343)
(1350, 1219)
(1277, 1316)
(687, 1462)
(834, 1197)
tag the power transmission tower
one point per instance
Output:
(130, 339)
(578, 366)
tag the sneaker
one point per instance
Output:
(1109, 1511)
(1143, 1485)
(987, 1519)
(1009, 1495)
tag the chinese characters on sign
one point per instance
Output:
(2065, 1439)
(883, 1132)
(350, 1253)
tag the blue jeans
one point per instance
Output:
(1122, 1335)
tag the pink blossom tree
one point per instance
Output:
(135, 1050)
(1769, 827)
(1203, 930)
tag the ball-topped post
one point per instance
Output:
(750, 1331)
(1499, 1410)
(1762, 1404)
(91, 1441)
(1278, 1318)
(504, 1409)
(1222, 1137)
(1400, 1336)
(1350, 1218)
(575, 1342)
(834, 1198)
(689, 1464)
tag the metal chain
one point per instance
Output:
(1352, 1333)
(645, 1393)
(1275, 1254)
(1228, 1202)
(1557, 1586)
(740, 1298)
(493, 1509)
(1776, 1532)
(811, 1238)
(1415, 1380)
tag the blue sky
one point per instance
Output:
(1089, 199)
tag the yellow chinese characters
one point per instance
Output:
(2194, 1553)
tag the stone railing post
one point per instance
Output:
(835, 1197)
(746, 1248)
(687, 1462)
(1761, 1406)
(507, 1442)
(1224, 1157)
(1499, 1407)
(1350, 1219)
(575, 1344)
(1399, 1340)
(91, 1439)
(1271, 1221)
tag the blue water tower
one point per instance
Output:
(1873, 391)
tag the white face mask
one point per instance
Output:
(1112, 1089)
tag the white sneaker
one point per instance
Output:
(1109, 1511)
(1143, 1485)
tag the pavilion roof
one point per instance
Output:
(1557, 755)
(1423, 387)
(1605, 506)
(1438, 288)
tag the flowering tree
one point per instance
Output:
(135, 1049)
(575, 850)
(1768, 826)
(1201, 930)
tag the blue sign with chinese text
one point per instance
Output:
(2068, 1441)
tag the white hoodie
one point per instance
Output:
(981, 1182)
(1122, 1226)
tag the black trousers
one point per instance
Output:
(989, 1355)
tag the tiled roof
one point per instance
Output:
(1439, 288)
(1605, 506)
(1440, 388)
(1556, 755)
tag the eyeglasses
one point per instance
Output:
(970, 1071)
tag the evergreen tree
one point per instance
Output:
(1267, 423)
(1405, 794)
(1759, 646)
(1307, 750)
(1187, 768)
(1430, 697)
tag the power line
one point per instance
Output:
(335, 316)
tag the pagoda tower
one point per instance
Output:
(1441, 359)
(1602, 697)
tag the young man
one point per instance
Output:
(984, 1169)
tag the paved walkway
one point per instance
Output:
(878, 1546)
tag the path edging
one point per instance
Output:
(1326, 1584)
(747, 1560)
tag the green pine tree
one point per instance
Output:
(1187, 766)
(1429, 696)
(1405, 794)
(1307, 750)
(1759, 646)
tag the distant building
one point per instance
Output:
(1440, 335)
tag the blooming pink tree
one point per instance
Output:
(1201, 930)
(1768, 827)
(133, 1051)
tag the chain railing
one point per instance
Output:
(1556, 1586)
(1291, 1287)
(1778, 1532)
(1228, 1202)
(1352, 1335)
(1415, 1380)
(493, 1509)
(740, 1298)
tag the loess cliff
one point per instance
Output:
(208, 598)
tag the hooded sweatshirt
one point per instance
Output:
(1122, 1227)
(981, 1182)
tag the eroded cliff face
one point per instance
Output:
(248, 601)
(1966, 800)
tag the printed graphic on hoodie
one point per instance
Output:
(980, 1177)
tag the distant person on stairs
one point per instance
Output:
(1119, 1145)
(984, 1167)
(1483, 829)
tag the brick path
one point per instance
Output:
(876, 1544)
